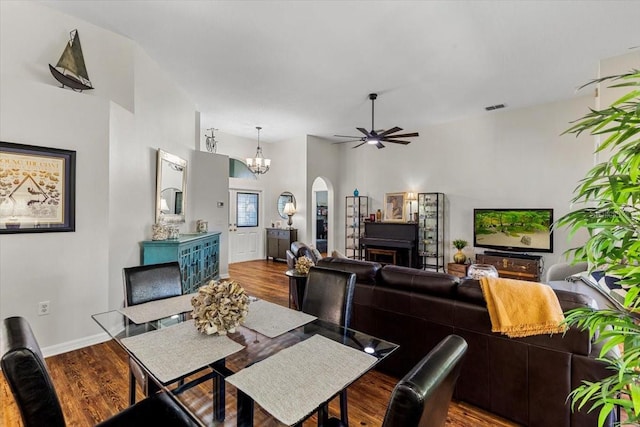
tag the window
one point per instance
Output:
(237, 169)
(247, 209)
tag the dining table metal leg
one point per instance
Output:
(323, 414)
(219, 389)
(245, 410)
(344, 416)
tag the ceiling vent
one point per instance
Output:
(494, 107)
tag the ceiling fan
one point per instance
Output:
(377, 137)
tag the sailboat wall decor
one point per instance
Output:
(70, 69)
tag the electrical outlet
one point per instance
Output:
(43, 308)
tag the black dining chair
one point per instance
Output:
(142, 284)
(28, 377)
(329, 296)
(422, 397)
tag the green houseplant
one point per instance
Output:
(609, 197)
(459, 257)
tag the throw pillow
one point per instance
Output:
(610, 284)
(337, 254)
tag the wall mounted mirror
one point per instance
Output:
(171, 186)
(283, 199)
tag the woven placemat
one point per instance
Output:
(272, 319)
(158, 309)
(170, 353)
(294, 382)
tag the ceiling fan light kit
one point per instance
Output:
(377, 138)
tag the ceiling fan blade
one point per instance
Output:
(362, 143)
(363, 130)
(379, 145)
(397, 142)
(392, 130)
(347, 136)
(404, 135)
(350, 140)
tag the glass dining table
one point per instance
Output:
(289, 363)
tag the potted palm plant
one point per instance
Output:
(459, 257)
(610, 212)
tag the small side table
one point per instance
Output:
(459, 270)
(297, 286)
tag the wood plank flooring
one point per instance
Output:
(92, 382)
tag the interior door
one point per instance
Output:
(245, 236)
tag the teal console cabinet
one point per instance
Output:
(197, 254)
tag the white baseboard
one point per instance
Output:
(75, 344)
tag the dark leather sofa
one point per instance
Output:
(526, 380)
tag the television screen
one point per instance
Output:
(518, 230)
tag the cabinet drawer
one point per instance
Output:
(278, 234)
(459, 270)
(512, 264)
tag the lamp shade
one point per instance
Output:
(289, 208)
(164, 207)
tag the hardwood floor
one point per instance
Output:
(92, 382)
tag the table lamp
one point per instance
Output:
(289, 210)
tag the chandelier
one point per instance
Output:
(258, 164)
(211, 143)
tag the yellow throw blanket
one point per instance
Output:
(520, 309)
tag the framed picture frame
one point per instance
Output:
(37, 189)
(394, 209)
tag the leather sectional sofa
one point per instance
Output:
(526, 380)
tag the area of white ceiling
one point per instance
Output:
(306, 67)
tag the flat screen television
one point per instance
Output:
(514, 230)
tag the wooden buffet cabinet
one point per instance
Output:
(197, 254)
(278, 241)
(513, 266)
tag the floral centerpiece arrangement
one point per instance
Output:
(303, 264)
(219, 307)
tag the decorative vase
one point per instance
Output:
(160, 232)
(478, 271)
(459, 257)
(356, 192)
(202, 226)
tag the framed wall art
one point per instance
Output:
(37, 189)
(394, 207)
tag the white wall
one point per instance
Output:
(115, 129)
(510, 158)
(210, 185)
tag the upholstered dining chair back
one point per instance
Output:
(142, 284)
(329, 295)
(26, 372)
(151, 282)
(422, 397)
